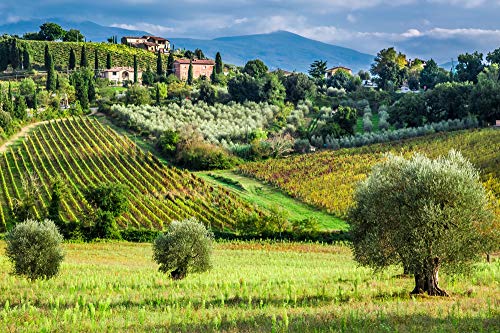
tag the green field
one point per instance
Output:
(268, 197)
(253, 287)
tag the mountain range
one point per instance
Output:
(280, 49)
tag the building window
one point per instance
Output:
(114, 73)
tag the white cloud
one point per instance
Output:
(13, 19)
(469, 33)
(411, 33)
(148, 27)
(351, 18)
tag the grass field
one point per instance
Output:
(253, 287)
(267, 197)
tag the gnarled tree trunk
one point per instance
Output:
(427, 281)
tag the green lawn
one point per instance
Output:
(268, 196)
(252, 287)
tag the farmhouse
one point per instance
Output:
(149, 43)
(200, 68)
(330, 72)
(118, 75)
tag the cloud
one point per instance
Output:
(148, 27)
(351, 18)
(411, 33)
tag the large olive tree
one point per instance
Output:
(424, 214)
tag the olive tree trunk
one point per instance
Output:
(426, 281)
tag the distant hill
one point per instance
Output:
(92, 31)
(279, 49)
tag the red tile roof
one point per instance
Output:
(196, 62)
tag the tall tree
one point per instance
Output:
(51, 31)
(14, 54)
(218, 63)
(109, 64)
(26, 59)
(91, 89)
(199, 54)
(51, 75)
(494, 56)
(135, 69)
(83, 58)
(72, 60)
(46, 56)
(469, 66)
(73, 35)
(159, 64)
(20, 109)
(170, 63)
(190, 73)
(317, 69)
(96, 61)
(389, 67)
(255, 68)
(431, 75)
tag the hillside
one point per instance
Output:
(121, 55)
(92, 31)
(279, 49)
(83, 152)
(327, 179)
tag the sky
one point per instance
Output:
(420, 28)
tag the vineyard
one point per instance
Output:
(121, 55)
(83, 152)
(327, 179)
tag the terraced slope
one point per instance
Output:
(327, 179)
(84, 152)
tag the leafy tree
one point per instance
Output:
(5, 121)
(167, 143)
(51, 31)
(185, 248)
(137, 95)
(207, 93)
(343, 80)
(73, 35)
(35, 249)
(408, 111)
(389, 68)
(170, 63)
(273, 90)
(432, 75)
(27, 87)
(255, 68)
(59, 189)
(24, 207)
(83, 58)
(317, 70)
(494, 57)
(364, 75)
(32, 36)
(199, 54)
(424, 214)
(109, 64)
(485, 96)
(299, 87)
(20, 110)
(96, 61)
(190, 73)
(26, 59)
(448, 100)
(244, 88)
(135, 69)
(148, 77)
(346, 118)
(72, 60)
(108, 197)
(218, 63)
(159, 64)
(469, 66)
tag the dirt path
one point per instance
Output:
(22, 133)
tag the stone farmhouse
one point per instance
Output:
(330, 72)
(149, 43)
(200, 68)
(119, 74)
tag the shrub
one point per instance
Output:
(35, 249)
(185, 248)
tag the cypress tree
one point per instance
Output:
(51, 75)
(4, 57)
(218, 63)
(46, 56)
(213, 76)
(135, 69)
(83, 59)
(9, 92)
(170, 63)
(72, 60)
(20, 110)
(58, 85)
(108, 61)
(35, 102)
(91, 90)
(190, 72)
(15, 55)
(157, 91)
(96, 61)
(26, 59)
(159, 65)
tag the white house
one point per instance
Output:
(119, 74)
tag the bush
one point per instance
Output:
(185, 248)
(35, 249)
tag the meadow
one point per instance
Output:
(256, 286)
(327, 179)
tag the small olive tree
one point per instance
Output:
(35, 249)
(185, 248)
(424, 214)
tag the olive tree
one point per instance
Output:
(35, 249)
(186, 247)
(424, 214)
